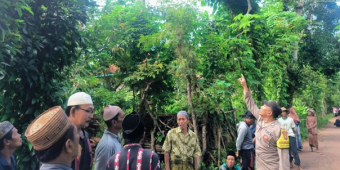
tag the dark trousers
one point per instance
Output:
(247, 156)
(293, 150)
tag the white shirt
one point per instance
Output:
(287, 124)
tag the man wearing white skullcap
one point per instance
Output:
(80, 111)
(109, 144)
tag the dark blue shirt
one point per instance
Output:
(253, 129)
(84, 162)
(4, 164)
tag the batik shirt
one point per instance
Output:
(182, 149)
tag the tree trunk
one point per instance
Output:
(234, 118)
(193, 116)
(204, 135)
(299, 10)
(229, 127)
(219, 134)
(324, 108)
(143, 95)
(249, 6)
(215, 127)
(152, 142)
(155, 125)
(189, 96)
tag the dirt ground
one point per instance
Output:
(328, 155)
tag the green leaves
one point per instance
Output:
(129, 54)
(36, 45)
(28, 9)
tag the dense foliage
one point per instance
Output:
(38, 39)
(160, 59)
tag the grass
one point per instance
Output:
(321, 123)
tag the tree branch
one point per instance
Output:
(249, 6)
(166, 125)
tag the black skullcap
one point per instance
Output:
(274, 106)
(133, 126)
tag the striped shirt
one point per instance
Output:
(134, 157)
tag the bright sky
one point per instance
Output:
(158, 2)
(205, 8)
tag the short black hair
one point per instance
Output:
(54, 151)
(109, 122)
(231, 153)
(134, 140)
(8, 136)
(68, 109)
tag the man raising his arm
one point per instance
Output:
(268, 155)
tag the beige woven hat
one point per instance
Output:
(111, 111)
(48, 128)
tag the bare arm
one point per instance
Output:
(167, 160)
(293, 125)
(243, 82)
(248, 99)
(196, 163)
(315, 122)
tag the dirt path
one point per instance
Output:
(328, 154)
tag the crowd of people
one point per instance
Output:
(61, 143)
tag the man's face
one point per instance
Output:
(284, 113)
(16, 140)
(182, 121)
(119, 121)
(250, 121)
(310, 113)
(83, 115)
(230, 161)
(266, 111)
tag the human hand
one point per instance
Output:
(236, 154)
(243, 82)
